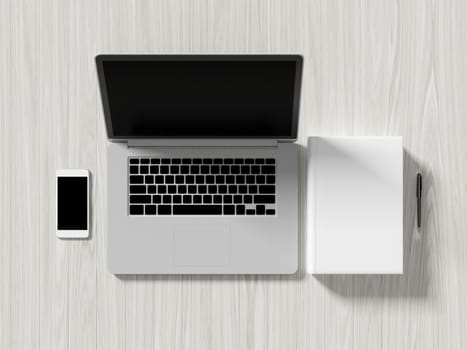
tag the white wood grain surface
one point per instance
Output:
(371, 68)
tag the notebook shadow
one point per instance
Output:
(415, 281)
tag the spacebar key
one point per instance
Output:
(197, 210)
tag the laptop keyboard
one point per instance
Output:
(202, 186)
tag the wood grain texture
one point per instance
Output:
(371, 68)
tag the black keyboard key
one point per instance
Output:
(169, 179)
(260, 179)
(182, 189)
(164, 209)
(240, 209)
(136, 179)
(149, 179)
(137, 189)
(212, 189)
(186, 161)
(259, 161)
(237, 199)
(156, 198)
(135, 199)
(155, 161)
(217, 198)
(150, 209)
(204, 169)
(194, 169)
(166, 199)
(230, 179)
(217, 161)
(176, 161)
(225, 169)
(238, 161)
(250, 179)
(263, 198)
(266, 189)
(209, 179)
(232, 189)
(253, 189)
(172, 189)
(152, 189)
(229, 210)
(249, 161)
(197, 199)
(197, 209)
(199, 179)
(227, 199)
(162, 189)
(270, 161)
(192, 189)
(164, 169)
(255, 169)
(154, 169)
(222, 189)
(165, 161)
(196, 161)
(202, 189)
(136, 209)
(143, 169)
(207, 199)
(235, 169)
(250, 212)
(187, 199)
(177, 198)
(228, 161)
(268, 169)
(134, 169)
(189, 179)
(215, 169)
(179, 179)
(240, 179)
(243, 189)
(248, 199)
(159, 179)
(260, 210)
(270, 212)
(175, 169)
(245, 169)
(144, 160)
(185, 169)
(134, 161)
(220, 179)
(207, 161)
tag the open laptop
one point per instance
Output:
(202, 166)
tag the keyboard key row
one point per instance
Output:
(211, 189)
(202, 161)
(203, 169)
(202, 179)
(199, 210)
(205, 198)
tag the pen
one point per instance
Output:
(419, 200)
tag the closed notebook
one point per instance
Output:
(355, 205)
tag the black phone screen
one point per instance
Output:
(72, 203)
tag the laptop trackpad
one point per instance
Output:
(202, 245)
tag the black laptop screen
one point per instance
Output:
(167, 98)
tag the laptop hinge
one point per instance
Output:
(202, 143)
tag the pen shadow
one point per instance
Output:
(415, 281)
(301, 272)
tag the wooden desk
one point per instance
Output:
(371, 68)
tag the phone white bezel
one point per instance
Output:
(71, 173)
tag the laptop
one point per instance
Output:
(202, 168)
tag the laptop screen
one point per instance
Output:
(241, 96)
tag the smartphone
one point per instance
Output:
(72, 188)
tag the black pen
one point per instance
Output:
(419, 200)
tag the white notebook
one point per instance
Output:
(355, 205)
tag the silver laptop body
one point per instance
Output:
(202, 166)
